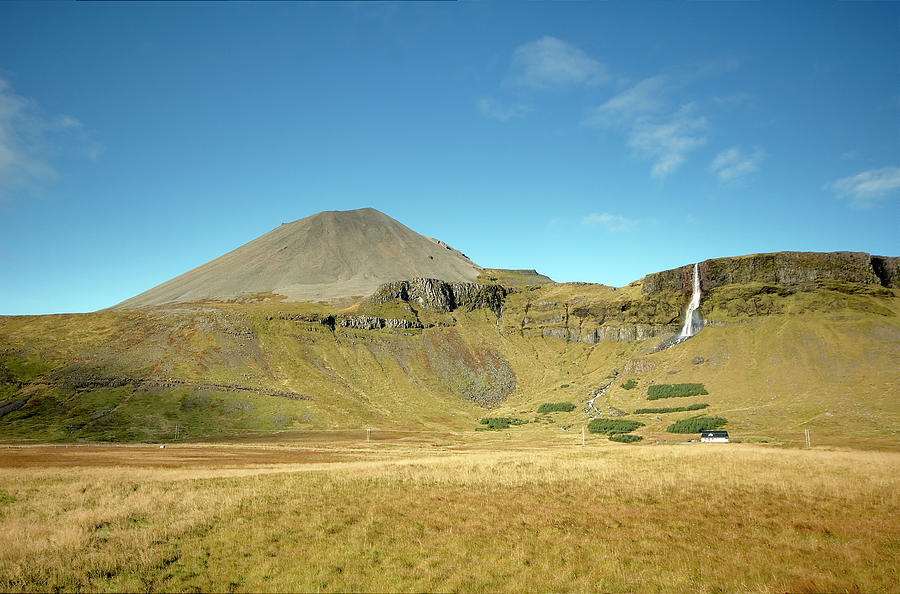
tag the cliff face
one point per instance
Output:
(440, 296)
(782, 268)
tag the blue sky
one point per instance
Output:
(592, 141)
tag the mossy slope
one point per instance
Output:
(775, 359)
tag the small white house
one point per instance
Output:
(714, 436)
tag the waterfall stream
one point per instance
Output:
(690, 328)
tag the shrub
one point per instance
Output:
(629, 384)
(696, 425)
(658, 391)
(625, 437)
(549, 407)
(611, 426)
(698, 406)
(497, 423)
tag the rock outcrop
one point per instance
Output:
(441, 296)
(782, 268)
(372, 323)
(887, 270)
(621, 333)
(360, 322)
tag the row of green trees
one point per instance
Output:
(625, 437)
(549, 407)
(657, 391)
(696, 425)
(670, 409)
(612, 426)
(498, 423)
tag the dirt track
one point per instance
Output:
(153, 456)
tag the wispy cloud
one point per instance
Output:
(733, 99)
(866, 188)
(498, 111)
(611, 222)
(652, 130)
(27, 139)
(20, 136)
(637, 101)
(667, 142)
(67, 121)
(550, 63)
(733, 164)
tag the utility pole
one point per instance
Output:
(582, 436)
(807, 438)
(368, 431)
(176, 431)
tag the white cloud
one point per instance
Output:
(94, 150)
(733, 99)
(550, 62)
(652, 130)
(20, 142)
(733, 164)
(866, 188)
(493, 109)
(612, 223)
(67, 121)
(26, 140)
(641, 99)
(668, 142)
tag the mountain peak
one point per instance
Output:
(329, 255)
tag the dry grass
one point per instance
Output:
(602, 518)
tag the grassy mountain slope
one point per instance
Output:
(775, 360)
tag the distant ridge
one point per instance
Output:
(329, 255)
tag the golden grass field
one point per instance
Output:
(447, 514)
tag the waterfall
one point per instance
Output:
(690, 328)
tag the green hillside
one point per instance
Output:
(774, 359)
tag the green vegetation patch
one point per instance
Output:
(549, 407)
(670, 409)
(129, 413)
(658, 391)
(15, 372)
(696, 425)
(498, 423)
(21, 369)
(625, 437)
(611, 426)
(630, 384)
